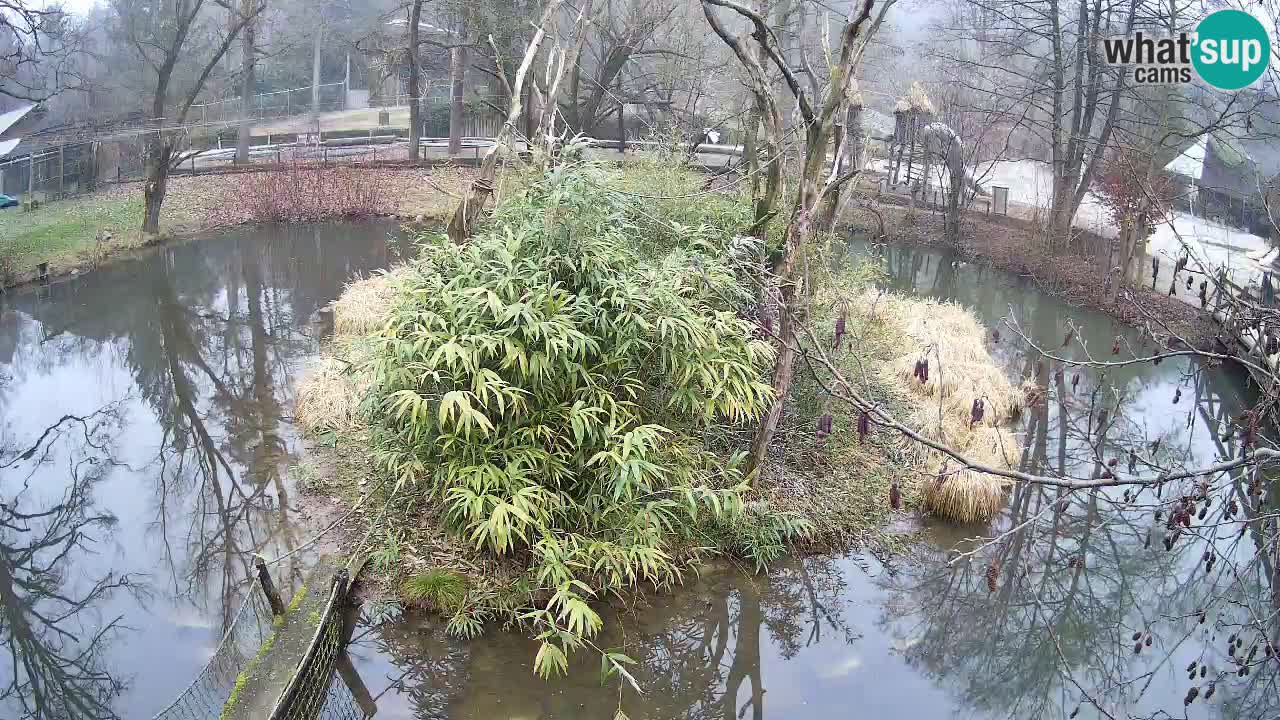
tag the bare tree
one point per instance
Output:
(182, 43)
(38, 50)
(473, 204)
(248, 64)
(812, 185)
(457, 85)
(1044, 54)
(415, 79)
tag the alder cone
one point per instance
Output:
(993, 574)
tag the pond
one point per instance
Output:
(144, 445)
(145, 441)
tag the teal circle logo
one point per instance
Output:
(1231, 49)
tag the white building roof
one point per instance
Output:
(7, 146)
(9, 119)
(1190, 163)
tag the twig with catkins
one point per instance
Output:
(977, 411)
(840, 327)
(921, 371)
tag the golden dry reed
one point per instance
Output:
(953, 343)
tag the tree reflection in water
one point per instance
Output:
(204, 338)
(700, 653)
(1076, 602)
(53, 635)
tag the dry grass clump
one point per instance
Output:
(329, 396)
(961, 370)
(954, 343)
(362, 307)
(964, 495)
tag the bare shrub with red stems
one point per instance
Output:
(304, 193)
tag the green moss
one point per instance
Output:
(277, 622)
(243, 678)
(298, 597)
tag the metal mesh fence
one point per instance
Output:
(207, 693)
(340, 703)
(311, 686)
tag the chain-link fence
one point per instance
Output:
(281, 103)
(50, 171)
(340, 703)
(314, 689)
(310, 688)
(204, 698)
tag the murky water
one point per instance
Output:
(144, 443)
(850, 637)
(145, 432)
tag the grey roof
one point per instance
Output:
(1221, 174)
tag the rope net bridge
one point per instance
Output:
(282, 662)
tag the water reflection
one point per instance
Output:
(1081, 604)
(127, 532)
(51, 622)
(1032, 626)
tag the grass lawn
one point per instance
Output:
(64, 234)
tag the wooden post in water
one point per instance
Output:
(268, 586)
(347, 671)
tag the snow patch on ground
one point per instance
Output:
(1031, 183)
(1212, 246)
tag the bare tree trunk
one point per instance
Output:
(247, 85)
(567, 59)
(952, 217)
(159, 153)
(315, 79)
(784, 367)
(622, 121)
(457, 80)
(415, 82)
(750, 152)
(849, 158)
(468, 212)
(1118, 268)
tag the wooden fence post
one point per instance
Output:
(268, 586)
